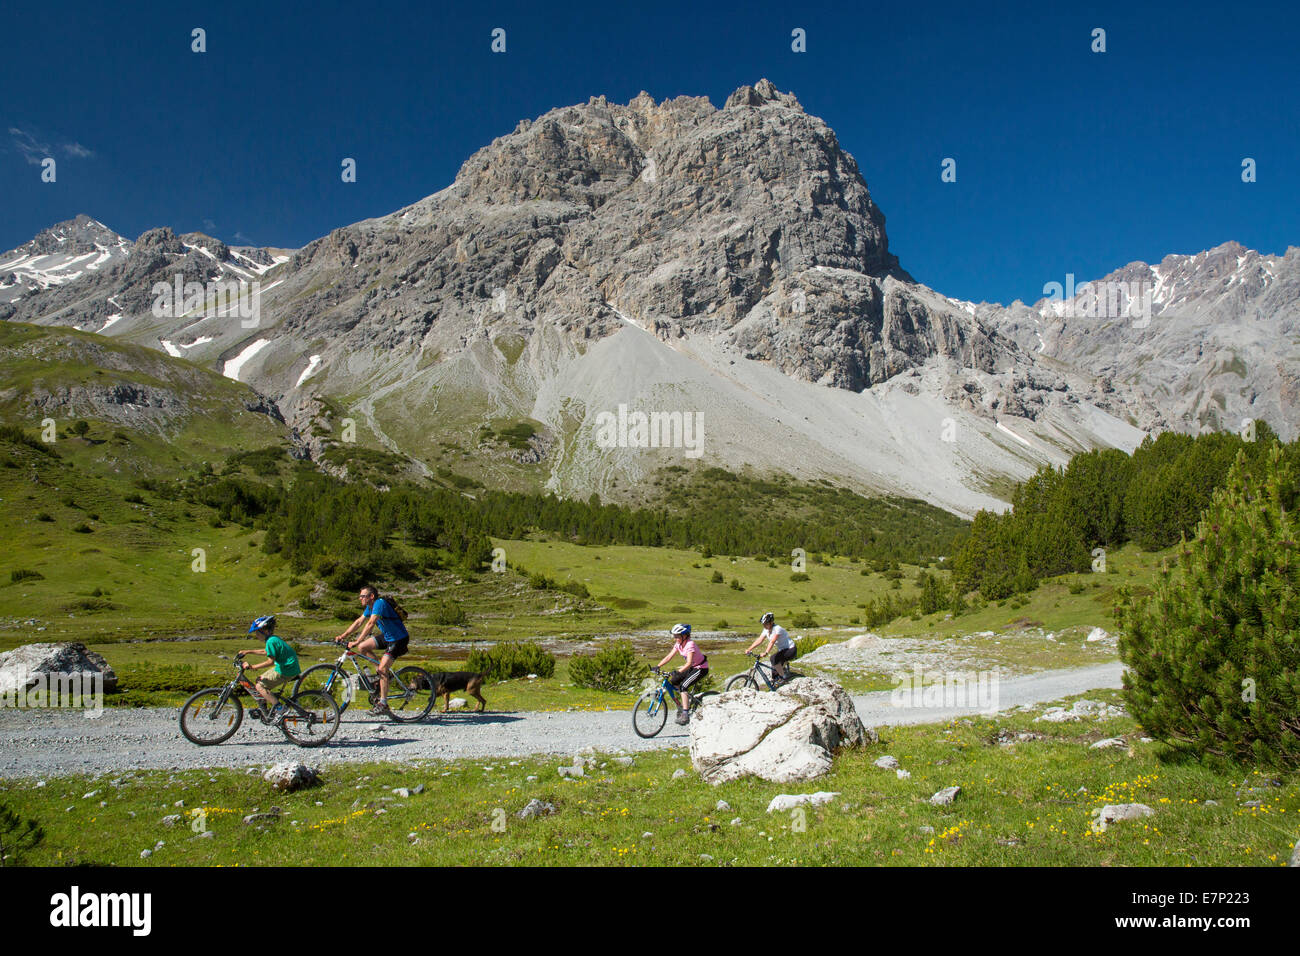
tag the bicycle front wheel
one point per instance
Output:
(330, 679)
(206, 719)
(740, 680)
(650, 714)
(318, 722)
(410, 694)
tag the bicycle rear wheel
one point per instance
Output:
(317, 725)
(410, 694)
(206, 719)
(329, 678)
(649, 714)
(740, 680)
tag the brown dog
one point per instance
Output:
(468, 681)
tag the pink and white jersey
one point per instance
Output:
(691, 651)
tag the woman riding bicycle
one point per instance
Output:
(774, 634)
(392, 638)
(696, 667)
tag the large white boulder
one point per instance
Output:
(32, 664)
(783, 737)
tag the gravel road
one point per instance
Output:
(40, 743)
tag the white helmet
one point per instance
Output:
(682, 630)
(767, 618)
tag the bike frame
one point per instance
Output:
(764, 671)
(369, 680)
(667, 688)
(242, 683)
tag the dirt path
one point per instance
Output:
(40, 743)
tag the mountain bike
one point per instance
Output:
(760, 671)
(650, 712)
(410, 689)
(212, 716)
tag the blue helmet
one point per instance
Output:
(682, 630)
(268, 622)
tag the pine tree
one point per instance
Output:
(1214, 655)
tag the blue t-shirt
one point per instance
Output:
(391, 628)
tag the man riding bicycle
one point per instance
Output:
(392, 638)
(775, 634)
(696, 666)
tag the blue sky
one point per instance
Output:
(1067, 160)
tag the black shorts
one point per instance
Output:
(396, 649)
(684, 679)
(780, 657)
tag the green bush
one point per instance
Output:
(615, 667)
(25, 574)
(15, 435)
(576, 588)
(447, 611)
(511, 659)
(716, 578)
(803, 619)
(82, 528)
(1212, 656)
(90, 605)
(806, 645)
(799, 576)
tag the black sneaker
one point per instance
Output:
(255, 713)
(380, 709)
(683, 717)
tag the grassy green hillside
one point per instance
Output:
(150, 415)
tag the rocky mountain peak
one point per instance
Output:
(78, 236)
(760, 94)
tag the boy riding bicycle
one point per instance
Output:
(392, 638)
(696, 667)
(278, 655)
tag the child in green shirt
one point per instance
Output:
(278, 655)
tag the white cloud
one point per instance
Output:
(31, 149)
(35, 150)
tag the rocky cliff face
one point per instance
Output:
(749, 220)
(1209, 340)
